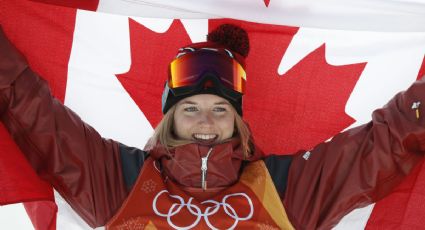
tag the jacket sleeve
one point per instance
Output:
(359, 166)
(82, 166)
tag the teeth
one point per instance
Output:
(205, 136)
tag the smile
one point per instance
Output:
(204, 137)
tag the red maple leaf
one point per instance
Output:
(303, 107)
(295, 111)
(151, 53)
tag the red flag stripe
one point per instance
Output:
(77, 4)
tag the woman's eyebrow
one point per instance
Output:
(189, 102)
(222, 103)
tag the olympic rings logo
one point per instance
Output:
(196, 211)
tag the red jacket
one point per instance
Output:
(355, 168)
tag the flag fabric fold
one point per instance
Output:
(379, 15)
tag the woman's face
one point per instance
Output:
(204, 118)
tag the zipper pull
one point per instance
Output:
(415, 106)
(204, 168)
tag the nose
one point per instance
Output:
(206, 119)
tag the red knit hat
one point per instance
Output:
(227, 42)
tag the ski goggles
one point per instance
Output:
(189, 69)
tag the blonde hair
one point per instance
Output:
(165, 136)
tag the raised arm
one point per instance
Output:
(359, 166)
(82, 166)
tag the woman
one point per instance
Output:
(202, 169)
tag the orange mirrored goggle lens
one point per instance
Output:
(190, 68)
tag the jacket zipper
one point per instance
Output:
(204, 168)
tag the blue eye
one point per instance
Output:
(219, 109)
(191, 109)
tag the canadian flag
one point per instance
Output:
(314, 70)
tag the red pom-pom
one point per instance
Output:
(231, 36)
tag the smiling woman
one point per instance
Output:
(204, 118)
(202, 169)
